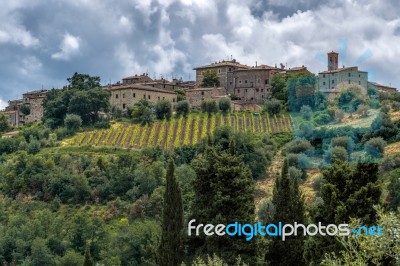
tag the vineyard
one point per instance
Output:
(178, 132)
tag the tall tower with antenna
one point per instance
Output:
(333, 60)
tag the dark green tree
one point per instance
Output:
(83, 82)
(182, 108)
(141, 112)
(170, 251)
(25, 109)
(224, 105)
(348, 191)
(223, 194)
(278, 87)
(72, 122)
(88, 258)
(210, 79)
(4, 123)
(288, 202)
(180, 93)
(163, 109)
(209, 106)
(272, 106)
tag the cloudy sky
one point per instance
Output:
(43, 42)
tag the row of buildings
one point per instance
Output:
(250, 86)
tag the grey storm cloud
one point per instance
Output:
(44, 42)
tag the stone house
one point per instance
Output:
(335, 79)
(125, 95)
(196, 96)
(382, 88)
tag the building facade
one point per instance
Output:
(334, 80)
(123, 96)
(382, 88)
(196, 96)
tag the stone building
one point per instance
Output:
(224, 70)
(125, 95)
(34, 100)
(196, 96)
(13, 117)
(382, 88)
(144, 78)
(335, 79)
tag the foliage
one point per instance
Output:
(215, 261)
(302, 91)
(209, 106)
(349, 99)
(272, 106)
(180, 93)
(375, 147)
(142, 113)
(278, 87)
(224, 105)
(72, 122)
(83, 82)
(88, 258)
(210, 79)
(182, 108)
(25, 109)
(170, 251)
(289, 208)
(306, 112)
(298, 146)
(163, 109)
(4, 123)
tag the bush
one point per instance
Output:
(182, 108)
(266, 211)
(375, 147)
(293, 159)
(33, 146)
(362, 110)
(345, 142)
(163, 109)
(317, 184)
(8, 145)
(339, 154)
(339, 115)
(294, 173)
(298, 146)
(272, 106)
(4, 123)
(322, 118)
(102, 124)
(209, 106)
(306, 112)
(306, 130)
(72, 122)
(224, 105)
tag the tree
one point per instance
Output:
(272, 106)
(306, 112)
(224, 105)
(180, 93)
(289, 208)
(209, 106)
(163, 109)
(394, 189)
(83, 82)
(87, 104)
(278, 87)
(223, 193)
(210, 79)
(141, 112)
(375, 147)
(72, 122)
(88, 258)
(348, 191)
(170, 251)
(4, 123)
(182, 108)
(25, 110)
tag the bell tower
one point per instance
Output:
(333, 60)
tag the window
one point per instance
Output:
(202, 93)
(349, 81)
(219, 70)
(149, 97)
(245, 81)
(230, 69)
(230, 83)
(262, 90)
(238, 91)
(173, 100)
(163, 98)
(123, 106)
(359, 82)
(123, 95)
(134, 95)
(246, 90)
(116, 96)
(158, 97)
(267, 81)
(349, 74)
(333, 81)
(257, 90)
(323, 83)
(323, 75)
(240, 82)
(144, 96)
(359, 75)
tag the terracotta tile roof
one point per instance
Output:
(206, 89)
(139, 87)
(344, 69)
(223, 63)
(260, 67)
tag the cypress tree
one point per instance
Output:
(88, 258)
(170, 251)
(224, 194)
(289, 208)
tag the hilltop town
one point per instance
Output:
(247, 86)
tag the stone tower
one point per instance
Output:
(333, 60)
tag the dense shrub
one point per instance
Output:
(272, 106)
(298, 146)
(72, 122)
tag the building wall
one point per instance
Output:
(125, 97)
(196, 96)
(252, 85)
(337, 81)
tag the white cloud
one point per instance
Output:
(3, 104)
(68, 47)
(127, 61)
(125, 23)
